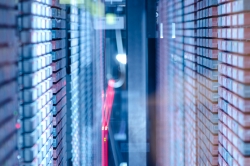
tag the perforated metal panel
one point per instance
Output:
(42, 81)
(86, 77)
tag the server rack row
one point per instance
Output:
(233, 82)
(204, 53)
(46, 84)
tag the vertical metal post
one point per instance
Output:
(137, 82)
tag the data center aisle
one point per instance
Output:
(53, 83)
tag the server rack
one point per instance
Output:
(42, 82)
(73, 78)
(81, 69)
(59, 82)
(47, 67)
(87, 89)
(197, 32)
(233, 71)
(98, 90)
(215, 44)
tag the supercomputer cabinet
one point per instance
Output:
(194, 30)
(42, 82)
(204, 53)
(83, 62)
(51, 65)
(233, 71)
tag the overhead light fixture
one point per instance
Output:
(122, 58)
(123, 164)
(110, 18)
